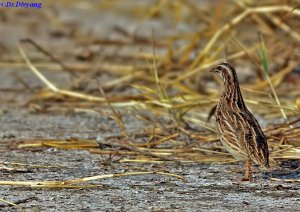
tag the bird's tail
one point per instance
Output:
(270, 165)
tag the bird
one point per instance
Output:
(238, 129)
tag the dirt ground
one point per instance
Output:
(209, 187)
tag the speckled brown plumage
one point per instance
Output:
(239, 131)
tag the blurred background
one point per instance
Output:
(189, 37)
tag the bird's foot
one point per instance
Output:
(247, 179)
(248, 174)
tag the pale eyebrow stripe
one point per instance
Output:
(225, 67)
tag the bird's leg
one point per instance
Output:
(248, 173)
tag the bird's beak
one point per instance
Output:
(214, 70)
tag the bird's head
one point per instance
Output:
(225, 72)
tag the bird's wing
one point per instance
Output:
(249, 131)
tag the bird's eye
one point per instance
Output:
(219, 68)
